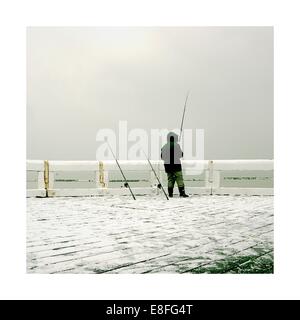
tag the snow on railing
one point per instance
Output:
(91, 178)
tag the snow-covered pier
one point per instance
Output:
(115, 234)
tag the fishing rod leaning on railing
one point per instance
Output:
(160, 186)
(126, 184)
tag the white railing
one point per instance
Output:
(35, 170)
(91, 178)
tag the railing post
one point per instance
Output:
(213, 177)
(210, 176)
(103, 175)
(46, 176)
(102, 179)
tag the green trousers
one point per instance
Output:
(175, 176)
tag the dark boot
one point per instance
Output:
(182, 192)
(170, 191)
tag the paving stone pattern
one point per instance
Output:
(110, 234)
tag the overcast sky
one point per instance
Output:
(80, 80)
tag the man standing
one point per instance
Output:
(171, 154)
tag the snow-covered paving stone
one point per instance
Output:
(150, 235)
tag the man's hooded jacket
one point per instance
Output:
(171, 154)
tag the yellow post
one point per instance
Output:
(101, 174)
(46, 176)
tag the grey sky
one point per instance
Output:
(82, 79)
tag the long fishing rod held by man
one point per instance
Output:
(183, 115)
(171, 154)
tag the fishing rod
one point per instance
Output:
(182, 120)
(126, 184)
(160, 186)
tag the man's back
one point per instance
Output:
(171, 153)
